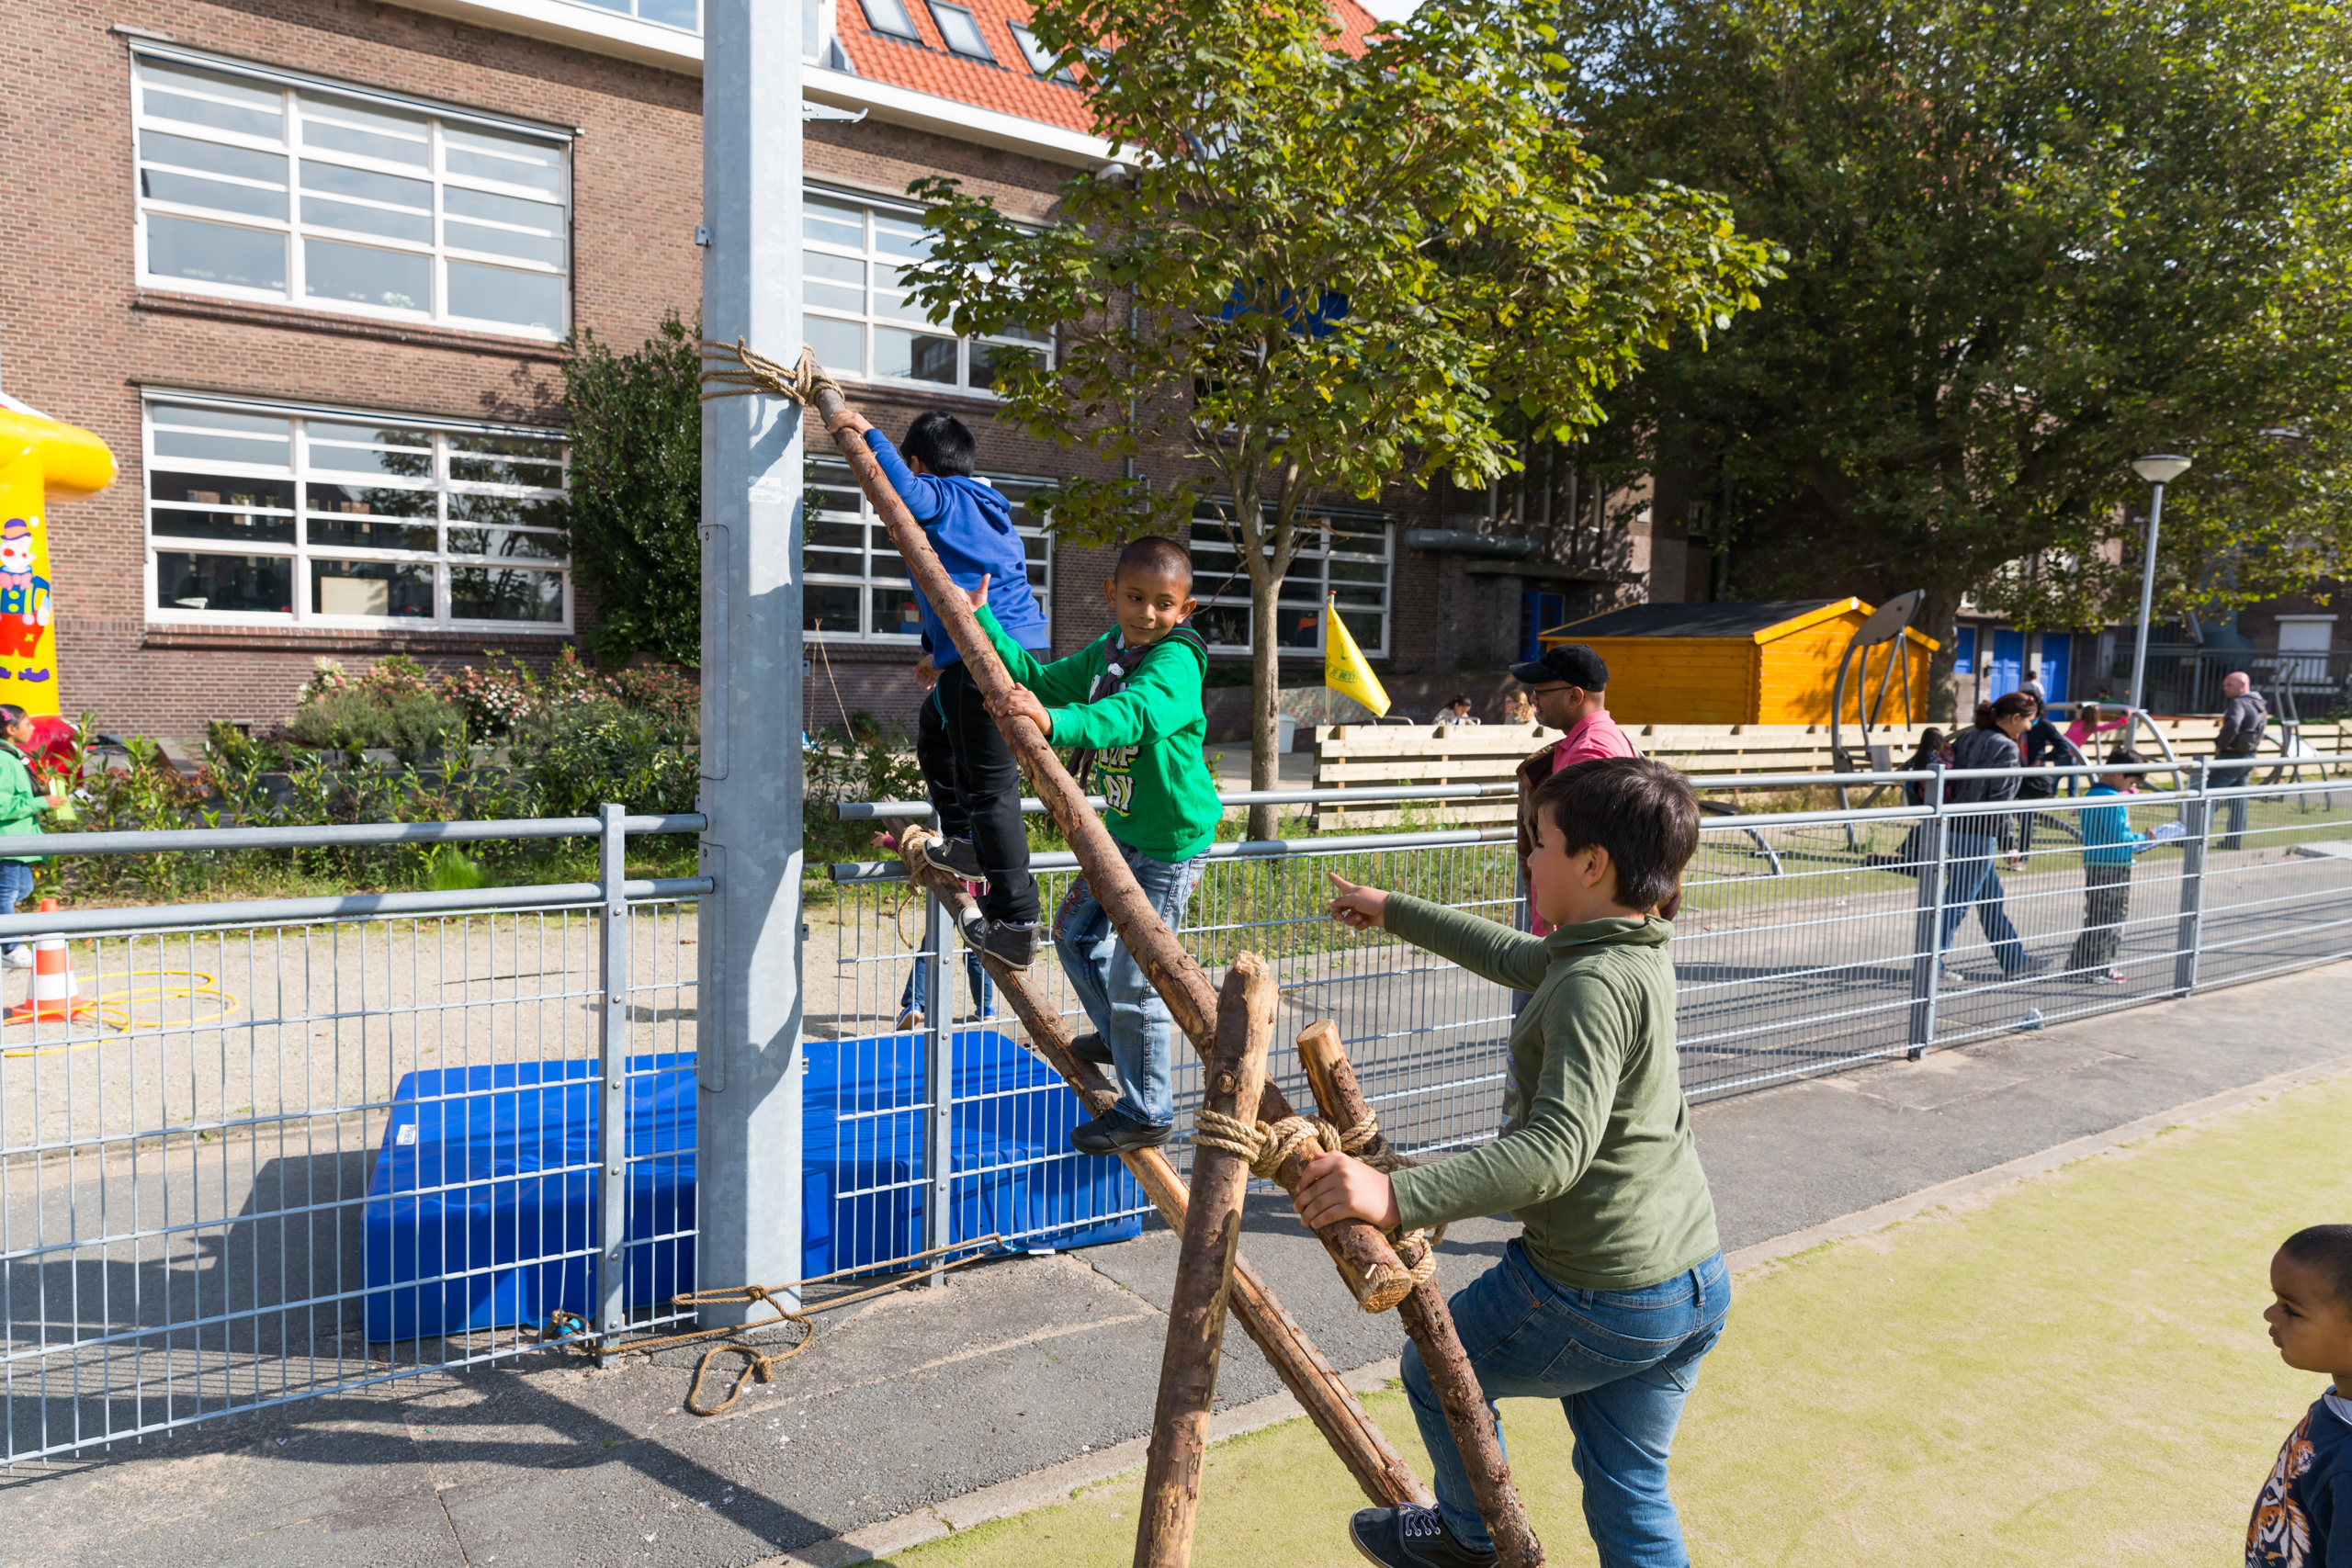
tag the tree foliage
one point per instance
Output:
(2027, 243)
(635, 491)
(1326, 271)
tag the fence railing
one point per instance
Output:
(286, 1148)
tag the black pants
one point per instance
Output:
(2226, 773)
(975, 788)
(2107, 904)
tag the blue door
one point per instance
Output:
(2005, 672)
(2057, 649)
(1963, 653)
(1538, 613)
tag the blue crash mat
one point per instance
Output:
(484, 1207)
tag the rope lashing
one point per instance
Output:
(1268, 1146)
(738, 370)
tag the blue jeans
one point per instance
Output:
(976, 980)
(1619, 1362)
(1119, 1002)
(16, 886)
(1970, 879)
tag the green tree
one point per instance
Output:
(2027, 243)
(635, 491)
(1326, 270)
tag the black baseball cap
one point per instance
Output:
(1572, 662)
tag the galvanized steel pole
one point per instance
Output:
(749, 1006)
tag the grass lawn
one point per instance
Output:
(2072, 1370)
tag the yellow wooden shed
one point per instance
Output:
(1772, 662)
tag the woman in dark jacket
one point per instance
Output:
(1971, 879)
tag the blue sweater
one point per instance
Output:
(2303, 1518)
(970, 527)
(2108, 837)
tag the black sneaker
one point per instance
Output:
(1013, 944)
(2031, 967)
(1412, 1537)
(1115, 1133)
(1092, 1047)
(956, 857)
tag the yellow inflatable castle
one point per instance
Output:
(41, 460)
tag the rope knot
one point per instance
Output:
(736, 370)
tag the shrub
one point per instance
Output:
(494, 697)
(584, 750)
(397, 704)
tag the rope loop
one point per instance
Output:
(738, 370)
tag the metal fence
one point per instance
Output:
(278, 1149)
(293, 1148)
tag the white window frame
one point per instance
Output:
(829, 480)
(1220, 582)
(294, 230)
(300, 473)
(818, 308)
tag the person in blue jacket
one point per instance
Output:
(2109, 842)
(974, 783)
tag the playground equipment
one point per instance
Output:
(1885, 625)
(41, 459)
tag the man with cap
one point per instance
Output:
(1569, 684)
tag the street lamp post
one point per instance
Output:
(2159, 469)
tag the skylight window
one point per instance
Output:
(962, 33)
(1040, 58)
(891, 16)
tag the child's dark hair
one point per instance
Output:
(2124, 757)
(10, 715)
(1163, 557)
(1642, 812)
(942, 443)
(2017, 704)
(2328, 1251)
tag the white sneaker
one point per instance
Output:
(16, 958)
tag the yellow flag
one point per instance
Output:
(1345, 668)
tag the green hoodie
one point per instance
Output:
(1597, 1162)
(20, 802)
(1149, 738)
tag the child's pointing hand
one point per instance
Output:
(1362, 908)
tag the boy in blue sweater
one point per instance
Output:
(969, 768)
(2303, 1518)
(2109, 845)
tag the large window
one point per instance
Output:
(856, 586)
(1345, 552)
(859, 319)
(259, 188)
(258, 516)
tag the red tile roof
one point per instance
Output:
(1009, 87)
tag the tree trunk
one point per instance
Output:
(1265, 693)
(1939, 618)
(1429, 1323)
(1211, 1236)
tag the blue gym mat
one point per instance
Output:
(486, 1188)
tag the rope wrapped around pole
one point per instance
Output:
(1270, 1147)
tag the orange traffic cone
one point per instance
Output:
(54, 997)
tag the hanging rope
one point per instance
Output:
(1268, 1146)
(736, 370)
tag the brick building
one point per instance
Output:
(307, 267)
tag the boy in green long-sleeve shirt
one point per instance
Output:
(1617, 1286)
(1130, 700)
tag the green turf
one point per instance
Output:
(2072, 1371)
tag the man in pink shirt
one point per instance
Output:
(1569, 684)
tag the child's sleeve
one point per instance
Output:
(1486, 949)
(1063, 680)
(1164, 697)
(1586, 1028)
(925, 497)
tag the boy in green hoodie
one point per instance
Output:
(1130, 700)
(1616, 1286)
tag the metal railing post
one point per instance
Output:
(612, 1077)
(1927, 929)
(939, 1081)
(2189, 935)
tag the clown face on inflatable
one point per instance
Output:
(41, 460)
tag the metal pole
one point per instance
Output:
(1928, 928)
(750, 999)
(939, 1082)
(2189, 934)
(2147, 600)
(612, 1074)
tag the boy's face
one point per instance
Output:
(2311, 1325)
(2125, 783)
(1148, 605)
(1569, 886)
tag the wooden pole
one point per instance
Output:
(1212, 1237)
(1333, 1406)
(1429, 1323)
